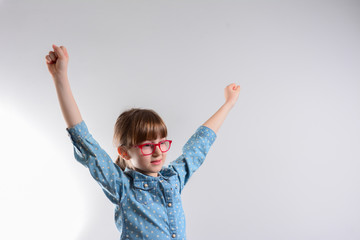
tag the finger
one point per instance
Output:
(59, 51)
(231, 86)
(52, 56)
(48, 59)
(65, 51)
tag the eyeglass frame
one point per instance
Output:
(154, 145)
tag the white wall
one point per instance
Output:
(285, 164)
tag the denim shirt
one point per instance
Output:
(146, 207)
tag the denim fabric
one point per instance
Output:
(146, 207)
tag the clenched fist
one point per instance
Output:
(57, 61)
(232, 93)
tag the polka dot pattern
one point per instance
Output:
(146, 207)
(194, 153)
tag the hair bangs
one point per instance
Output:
(148, 126)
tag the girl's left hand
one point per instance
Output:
(232, 93)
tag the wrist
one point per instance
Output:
(60, 79)
(229, 104)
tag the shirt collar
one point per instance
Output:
(165, 173)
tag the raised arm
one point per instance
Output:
(57, 62)
(231, 95)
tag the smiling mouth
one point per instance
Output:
(156, 162)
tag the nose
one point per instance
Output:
(157, 150)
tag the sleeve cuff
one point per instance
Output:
(207, 132)
(78, 131)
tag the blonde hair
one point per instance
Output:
(135, 126)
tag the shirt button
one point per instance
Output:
(145, 185)
(174, 235)
(169, 204)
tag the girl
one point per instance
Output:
(146, 194)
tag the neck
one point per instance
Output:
(147, 173)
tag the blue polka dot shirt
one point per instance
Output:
(146, 207)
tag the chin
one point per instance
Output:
(159, 167)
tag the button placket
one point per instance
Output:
(168, 193)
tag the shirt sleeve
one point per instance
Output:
(194, 153)
(88, 152)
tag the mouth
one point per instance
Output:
(156, 162)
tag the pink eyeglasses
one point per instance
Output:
(149, 148)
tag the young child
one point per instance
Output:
(146, 194)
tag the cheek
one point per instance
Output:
(141, 160)
(136, 158)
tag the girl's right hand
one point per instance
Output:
(232, 93)
(57, 62)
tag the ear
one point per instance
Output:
(123, 153)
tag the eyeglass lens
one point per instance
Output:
(150, 148)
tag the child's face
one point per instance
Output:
(149, 164)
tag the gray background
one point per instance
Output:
(285, 164)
